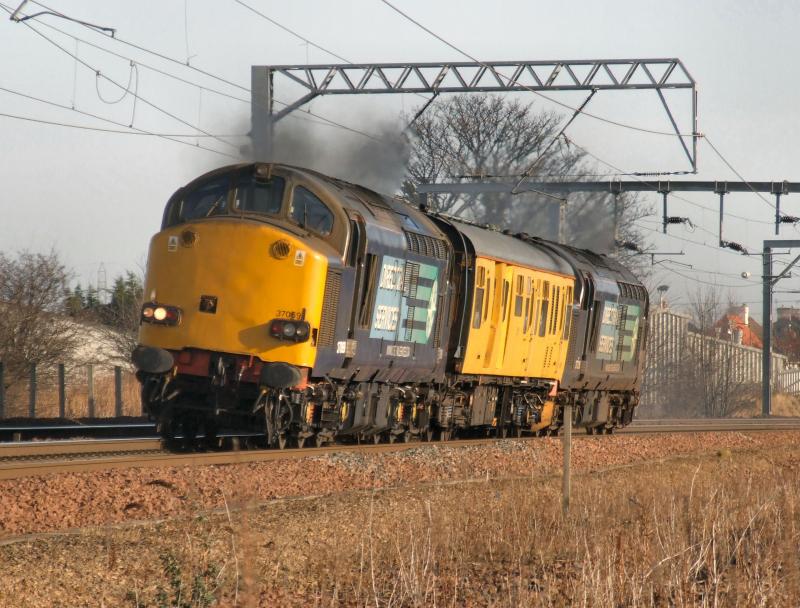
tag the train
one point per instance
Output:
(295, 308)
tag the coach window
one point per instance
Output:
(545, 307)
(527, 320)
(518, 296)
(480, 292)
(476, 310)
(488, 299)
(259, 194)
(505, 299)
(310, 212)
(205, 200)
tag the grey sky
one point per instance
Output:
(98, 197)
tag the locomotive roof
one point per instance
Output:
(492, 244)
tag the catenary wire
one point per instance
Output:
(292, 32)
(112, 81)
(103, 130)
(698, 243)
(732, 168)
(671, 194)
(206, 73)
(507, 79)
(303, 38)
(126, 91)
(347, 61)
(322, 120)
(712, 284)
(693, 268)
(119, 124)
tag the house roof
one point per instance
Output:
(751, 332)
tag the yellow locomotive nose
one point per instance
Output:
(233, 283)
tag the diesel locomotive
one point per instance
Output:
(295, 307)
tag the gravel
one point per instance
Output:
(66, 501)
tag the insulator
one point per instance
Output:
(673, 219)
(789, 219)
(629, 245)
(733, 245)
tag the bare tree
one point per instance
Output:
(488, 136)
(32, 330)
(115, 322)
(122, 314)
(692, 369)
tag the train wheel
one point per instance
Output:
(406, 436)
(319, 441)
(167, 430)
(188, 427)
(376, 438)
(301, 443)
(446, 435)
(210, 439)
(428, 434)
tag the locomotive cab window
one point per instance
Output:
(207, 199)
(259, 194)
(310, 212)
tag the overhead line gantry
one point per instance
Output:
(592, 75)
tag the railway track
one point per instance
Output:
(26, 459)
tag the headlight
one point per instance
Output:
(161, 314)
(296, 331)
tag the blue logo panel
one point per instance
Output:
(405, 301)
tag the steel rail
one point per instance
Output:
(23, 449)
(116, 458)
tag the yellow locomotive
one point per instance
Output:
(288, 305)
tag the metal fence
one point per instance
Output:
(671, 345)
(788, 381)
(63, 391)
(68, 391)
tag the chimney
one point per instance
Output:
(746, 314)
(662, 292)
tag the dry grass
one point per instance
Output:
(782, 405)
(703, 531)
(76, 394)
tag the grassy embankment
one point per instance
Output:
(715, 530)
